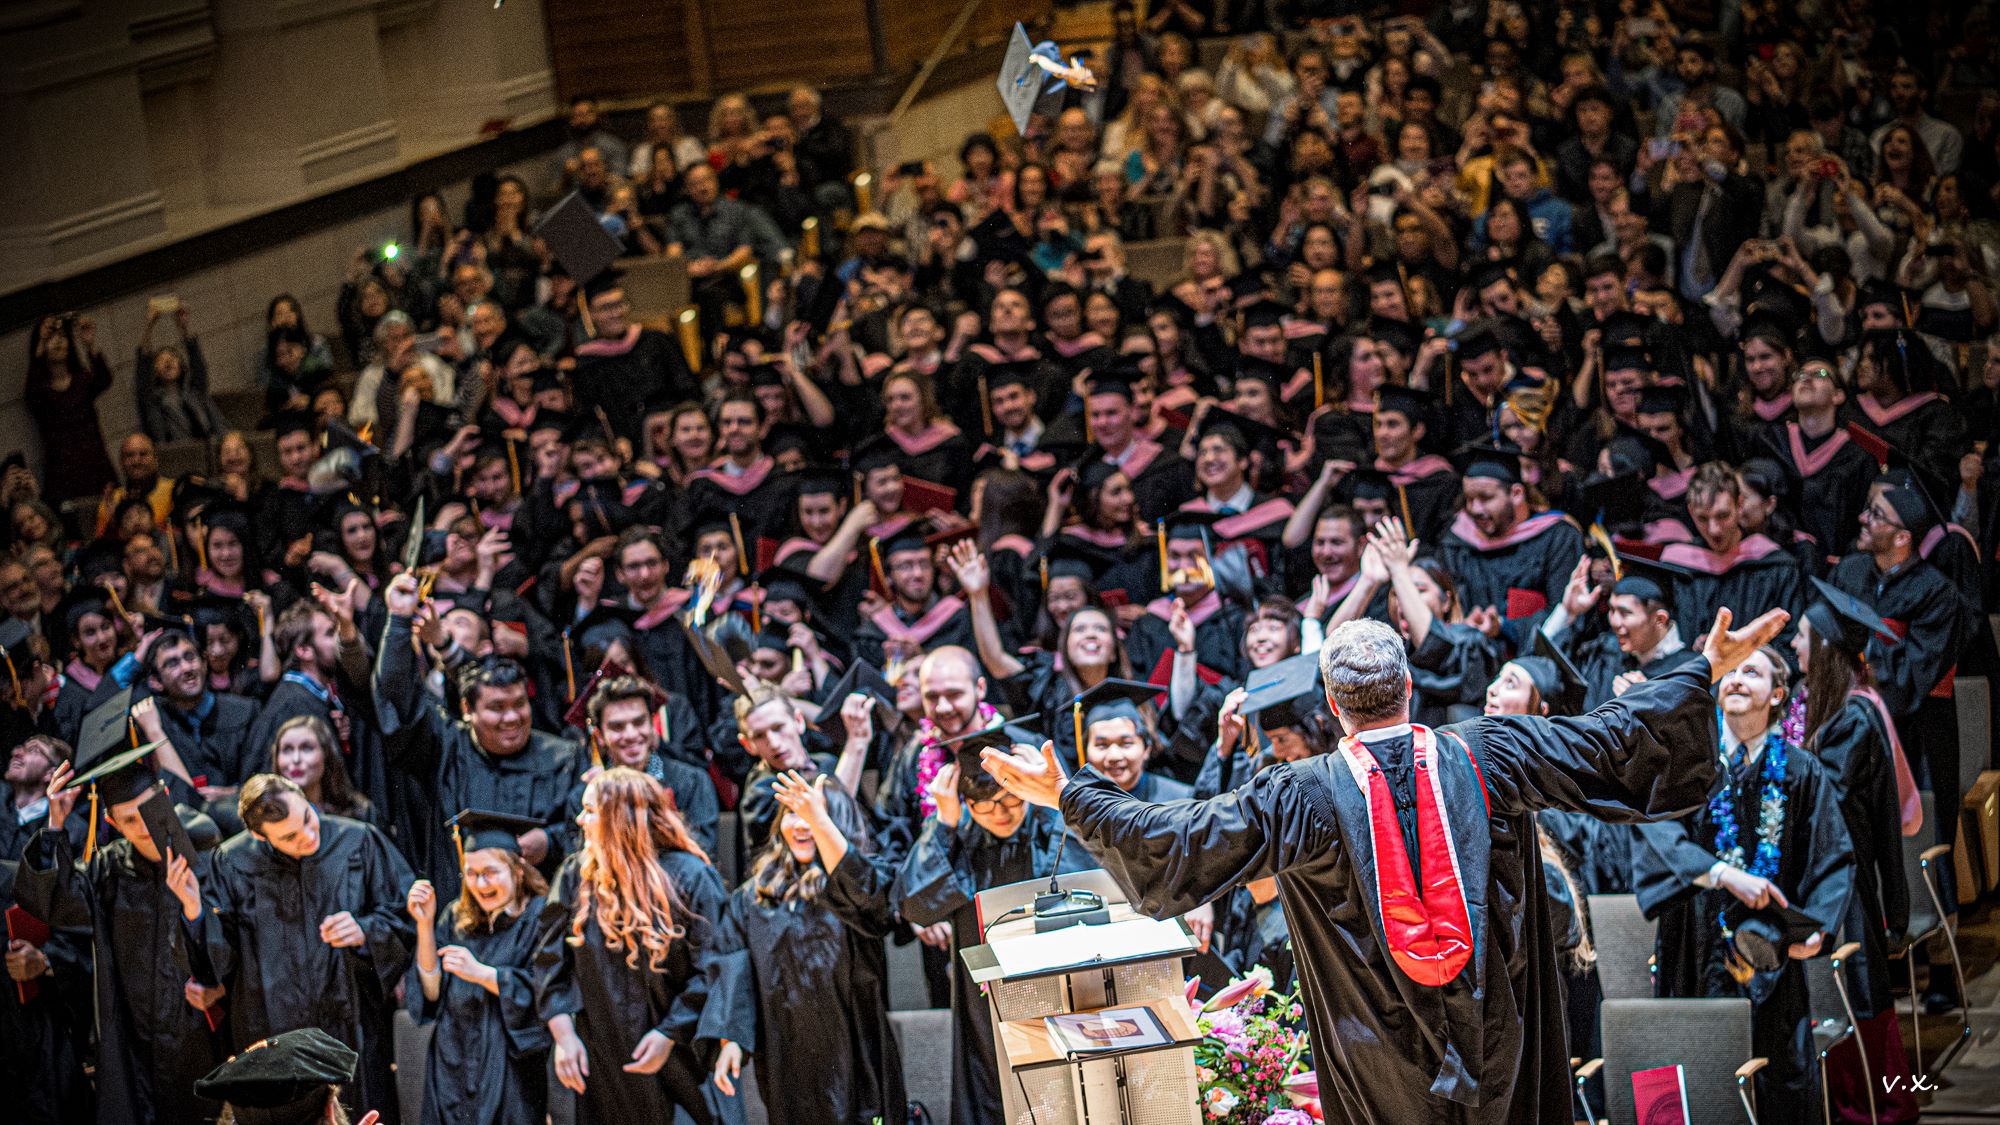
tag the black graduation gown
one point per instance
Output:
(152, 1045)
(930, 630)
(1935, 620)
(444, 764)
(804, 988)
(1488, 1046)
(1451, 668)
(1599, 853)
(1218, 642)
(1760, 576)
(1816, 872)
(1249, 933)
(1830, 478)
(45, 1038)
(945, 870)
(621, 383)
(1932, 434)
(488, 1060)
(215, 744)
(615, 1005)
(1854, 748)
(362, 755)
(1161, 481)
(1537, 566)
(1593, 648)
(260, 934)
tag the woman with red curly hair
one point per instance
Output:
(625, 956)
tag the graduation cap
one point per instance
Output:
(1626, 327)
(81, 602)
(1068, 557)
(878, 452)
(1627, 357)
(107, 757)
(1902, 354)
(1254, 434)
(17, 651)
(164, 825)
(1117, 379)
(191, 497)
(1272, 375)
(1481, 337)
(1771, 327)
(966, 749)
(994, 238)
(1663, 398)
(1560, 685)
(413, 538)
(1263, 313)
(1762, 935)
(1913, 491)
(1410, 402)
(1491, 461)
(294, 421)
(1170, 304)
(578, 240)
(867, 679)
(1188, 523)
(1020, 80)
(283, 1080)
(1648, 579)
(169, 623)
(1398, 334)
(1111, 699)
(1638, 452)
(560, 421)
(1281, 696)
(477, 829)
(604, 511)
(1845, 620)
(783, 582)
(1881, 292)
(710, 647)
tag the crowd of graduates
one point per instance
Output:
(1543, 332)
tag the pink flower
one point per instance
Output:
(1289, 1117)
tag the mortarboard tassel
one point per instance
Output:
(1076, 723)
(1602, 539)
(513, 466)
(809, 237)
(736, 533)
(458, 844)
(1319, 382)
(596, 752)
(875, 563)
(1403, 501)
(569, 669)
(1045, 577)
(13, 679)
(583, 311)
(90, 834)
(756, 609)
(986, 408)
(1164, 584)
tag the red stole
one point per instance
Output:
(1909, 801)
(920, 631)
(792, 547)
(1905, 406)
(891, 526)
(669, 604)
(925, 440)
(992, 353)
(1770, 410)
(1256, 519)
(1113, 540)
(1428, 929)
(1019, 544)
(735, 484)
(1811, 464)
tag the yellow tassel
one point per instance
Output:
(1045, 577)
(1403, 501)
(986, 409)
(569, 668)
(90, 836)
(514, 467)
(458, 843)
(1076, 720)
(1163, 556)
(875, 562)
(1599, 537)
(736, 533)
(1319, 383)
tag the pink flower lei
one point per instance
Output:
(931, 755)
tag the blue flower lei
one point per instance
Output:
(1770, 820)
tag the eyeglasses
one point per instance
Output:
(986, 808)
(1872, 515)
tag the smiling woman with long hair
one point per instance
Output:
(808, 922)
(626, 952)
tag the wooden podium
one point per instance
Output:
(1091, 1023)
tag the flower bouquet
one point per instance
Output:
(1249, 1063)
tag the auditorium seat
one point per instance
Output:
(1709, 1039)
(1624, 939)
(1833, 1019)
(924, 1040)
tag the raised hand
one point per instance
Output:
(1726, 648)
(401, 594)
(970, 568)
(422, 903)
(1484, 618)
(944, 794)
(61, 801)
(1393, 544)
(1181, 628)
(804, 799)
(1580, 596)
(1034, 776)
(857, 714)
(186, 887)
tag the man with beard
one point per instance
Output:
(626, 364)
(1504, 557)
(1833, 472)
(1160, 478)
(917, 619)
(326, 677)
(210, 729)
(743, 479)
(488, 758)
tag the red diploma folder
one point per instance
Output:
(23, 926)
(924, 496)
(1660, 1096)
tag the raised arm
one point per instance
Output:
(1172, 858)
(973, 581)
